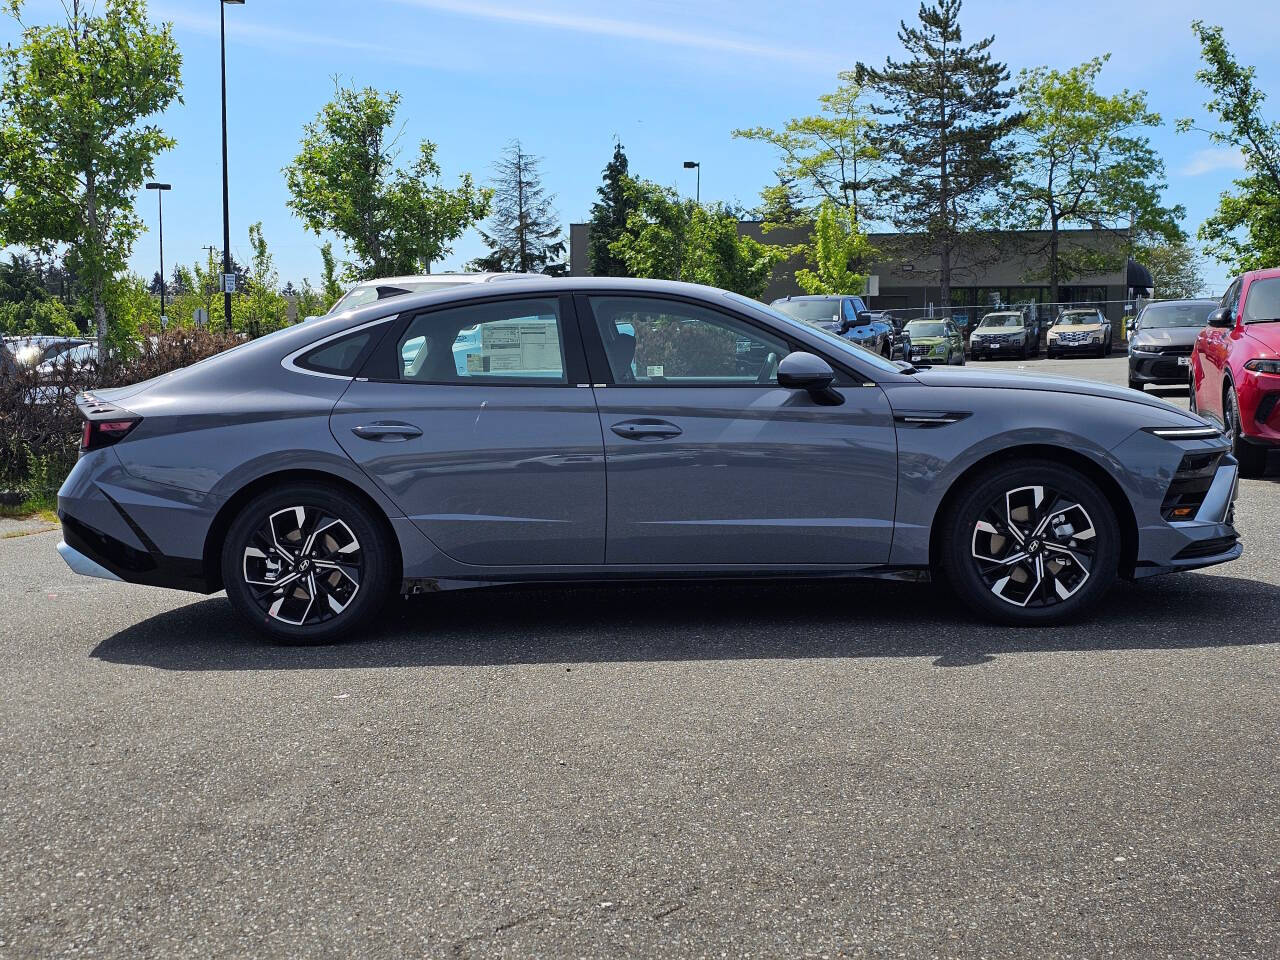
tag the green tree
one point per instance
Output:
(523, 235)
(331, 288)
(1175, 269)
(345, 179)
(944, 136)
(673, 239)
(1084, 161)
(839, 248)
(609, 217)
(75, 144)
(829, 156)
(1244, 232)
(265, 308)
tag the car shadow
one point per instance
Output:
(703, 621)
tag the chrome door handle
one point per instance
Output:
(646, 429)
(393, 432)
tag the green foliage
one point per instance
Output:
(609, 217)
(946, 123)
(345, 179)
(829, 156)
(523, 234)
(667, 238)
(685, 349)
(1244, 232)
(36, 317)
(331, 289)
(75, 146)
(839, 247)
(264, 307)
(1175, 269)
(1084, 161)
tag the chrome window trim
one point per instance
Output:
(288, 361)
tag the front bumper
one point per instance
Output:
(1086, 346)
(1208, 539)
(985, 349)
(1159, 368)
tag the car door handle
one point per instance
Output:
(392, 432)
(646, 429)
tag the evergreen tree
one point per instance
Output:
(609, 217)
(523, 234)
(945, 124)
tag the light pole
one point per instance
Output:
(160, 188)
(697, 190)
(226, 193)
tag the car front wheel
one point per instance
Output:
(1253, 458)
(306, 564)
(1031, 544)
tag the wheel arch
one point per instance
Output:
(217, 535)
(1107, 483)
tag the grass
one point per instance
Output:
(37, 506)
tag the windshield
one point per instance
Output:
(1001, 320)
(838, 344)
(1263, 303)
(810, 311)
(1159, 316)
(1077, 318)
(926, 328)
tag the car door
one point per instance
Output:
(1213, 355)
(477, 420)
(711, 465)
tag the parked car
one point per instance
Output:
(81, 357)
(313, 473)
(900, 348)
(1079, 330)
(1161, 340)
(33, 351)
(371, 291)
(936, 341)
(1003, 333)
(847, 317)
(1235, 368)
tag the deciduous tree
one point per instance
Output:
(76, 135)
(839, 249)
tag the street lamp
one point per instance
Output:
(160, 188)
(226, 198)
(692, 165)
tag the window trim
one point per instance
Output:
(598, 359)
(575, 364)
(290, 360)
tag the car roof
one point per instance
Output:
(813, 296)
(447, 277)
(1196, 300)
(1266, 273)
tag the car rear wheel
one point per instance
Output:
(306, 564)
(1031, 544)
(1252, 457)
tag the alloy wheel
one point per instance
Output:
(303, 566)
(1034, 546)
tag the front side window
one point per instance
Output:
(1262, 305)
(655, 341)
(507, 341)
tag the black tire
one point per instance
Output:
(354, 551)
(1137, 385)
(1085, 566)
(1252, 457)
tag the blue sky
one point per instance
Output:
(670, 79)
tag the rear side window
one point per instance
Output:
(339, 357)
(508, 341)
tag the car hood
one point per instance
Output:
(1167, 337)
(918, 341)
(1267, 334)
(996, 331)
(994, 379)
(1077, 328)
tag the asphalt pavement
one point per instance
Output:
(834, 769)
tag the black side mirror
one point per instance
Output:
(805, 371)
(1221, 318)
(864, 316)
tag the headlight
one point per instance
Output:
(1143, 348)
(1185, 433)
(1263, 366)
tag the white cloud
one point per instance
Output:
(1213, 158)
(623, 29)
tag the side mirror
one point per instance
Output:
(805, 371)
(864, 316)
(1220, 318)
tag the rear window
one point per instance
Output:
(339, 357)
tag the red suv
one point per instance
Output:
(1235, 368)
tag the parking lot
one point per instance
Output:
(833, 769)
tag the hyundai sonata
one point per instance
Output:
(604, 430)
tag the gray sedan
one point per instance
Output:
(605, 429)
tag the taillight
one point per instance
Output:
(103, 433)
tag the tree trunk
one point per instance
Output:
(1054, 272)
(944, 275)
(97, 282)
